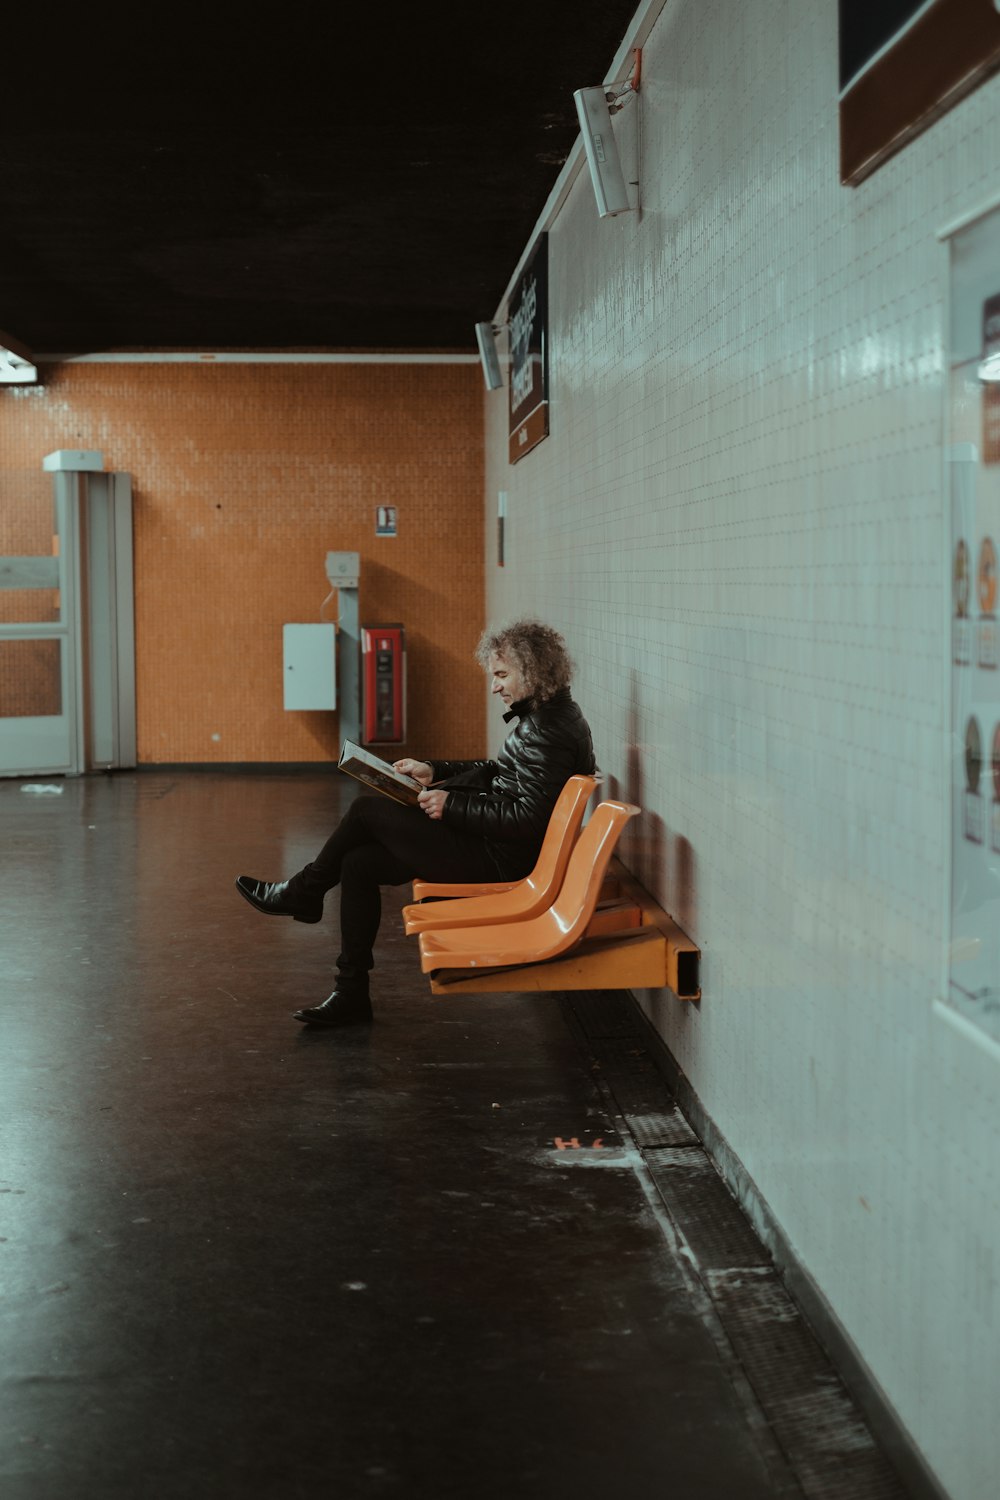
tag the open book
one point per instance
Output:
(378, 774)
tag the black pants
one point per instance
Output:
(380, 842)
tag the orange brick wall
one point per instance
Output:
(244, 477)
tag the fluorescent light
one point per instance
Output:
(489, 357)
(606, 173)
(15, 369)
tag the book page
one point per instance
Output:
(378, 774)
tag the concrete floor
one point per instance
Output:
(243, 1259)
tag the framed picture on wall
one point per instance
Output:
(973, 467)
(528, 315)
(903, 64)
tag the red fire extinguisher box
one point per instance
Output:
(383, 685)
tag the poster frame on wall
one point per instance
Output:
(971, 981)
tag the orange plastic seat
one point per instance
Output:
(479, 905)
(552, 932)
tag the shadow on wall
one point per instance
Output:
(665, 864)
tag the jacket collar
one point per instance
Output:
(528, 705)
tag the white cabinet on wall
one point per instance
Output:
(310, 666)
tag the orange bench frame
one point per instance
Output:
(656, 955)
(628, 943)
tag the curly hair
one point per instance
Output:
(538, 652)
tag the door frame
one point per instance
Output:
(96, 629)
(29, 733)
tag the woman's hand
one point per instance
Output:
(420, 770)
(432, 803)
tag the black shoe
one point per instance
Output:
(342, 1008)
(273, 900)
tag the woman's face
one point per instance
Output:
(507, 680)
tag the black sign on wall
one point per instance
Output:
(904, 63)
(529, 372)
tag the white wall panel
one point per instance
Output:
(738, 521)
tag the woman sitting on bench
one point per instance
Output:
(482, 820)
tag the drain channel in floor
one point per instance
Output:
(829, 1451)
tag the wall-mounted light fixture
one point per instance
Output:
(989, 369)
(16, 364)
(595, 106)
(486, 337)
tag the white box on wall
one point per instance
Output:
(310, 666)
(81, 460)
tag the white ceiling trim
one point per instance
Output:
(252, 357)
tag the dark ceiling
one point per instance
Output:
(312, 178)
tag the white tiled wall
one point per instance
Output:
(738, 521)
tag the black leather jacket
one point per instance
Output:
(508, 801)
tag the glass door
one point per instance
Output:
(38, 628)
